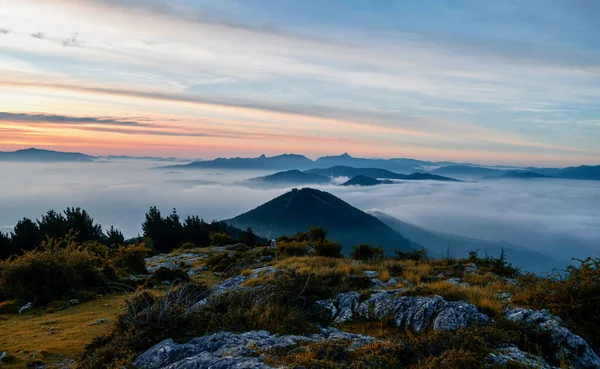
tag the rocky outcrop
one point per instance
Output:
(416, 313)
(235, 283)
(172, 261)
(566, 345)
(230, 350)
(512, 355)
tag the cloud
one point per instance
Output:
(65, 119)
(558, 218)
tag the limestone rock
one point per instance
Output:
(230, 350)
(416, 313)
(512, 355)
(565, 343)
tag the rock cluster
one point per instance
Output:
(416, 313)
(171, 261)
(567, 345)
(230, 350)
(235, 283)
(512, 355)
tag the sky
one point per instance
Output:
(510, 82)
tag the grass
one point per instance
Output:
(58, 336)
(282, 303)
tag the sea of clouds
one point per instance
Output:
(560, 218)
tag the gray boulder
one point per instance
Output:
(512, 355)
(416, 313)
(230, 350)
(235, 283)
(566, 344)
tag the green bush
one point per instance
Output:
(293, 248)
(328, 249)
(573, 296)
(52, 272)
(188, 245)
(366, 252)
(131, 258)
(148, 319)
(220, 239)
(171, 275)
(416, 255)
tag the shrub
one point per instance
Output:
(499, 266)
(52, 272)
(293, 248)
(416, 255)
(131, 258)
(573, 296)
(220, 239)
(9, 307)
(170, 275)
(329, 249)
(366, 252)
(148, 319)
(221, 261)
(188, 245)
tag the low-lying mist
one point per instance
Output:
(557, 217)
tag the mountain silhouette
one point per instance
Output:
(297, 210)
(289, 177)
(44, 156)
(467, 171)
(350, 172)
(365, 181)
(459, 246)
(285, 161)
(586, 172)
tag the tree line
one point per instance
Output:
(163, 233)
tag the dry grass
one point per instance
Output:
(60, 335)
(484, 297)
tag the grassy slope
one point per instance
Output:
(71, 331)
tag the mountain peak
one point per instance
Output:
(297, 210)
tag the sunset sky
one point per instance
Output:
(512, 82)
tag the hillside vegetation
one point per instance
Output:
(237, 300)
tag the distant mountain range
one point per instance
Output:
(49, 156)
(583, 172)
(328, 166)
(359, 177)
(285, 161)
(467, 171)
(44, 156)
(459, 246)
(297, 210)
(292, 177)
(366, 181)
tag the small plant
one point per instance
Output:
(293, 248)
(366, 252)
(416, 255)
(328, 248)
(220, 239)
(131, 258)
(163, 274)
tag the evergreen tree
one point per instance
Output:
(195, 230)
(6, 247)
(248, 237)
(26, 235)
(114, 237)
(80, 222)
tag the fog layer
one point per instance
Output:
(558, 217)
